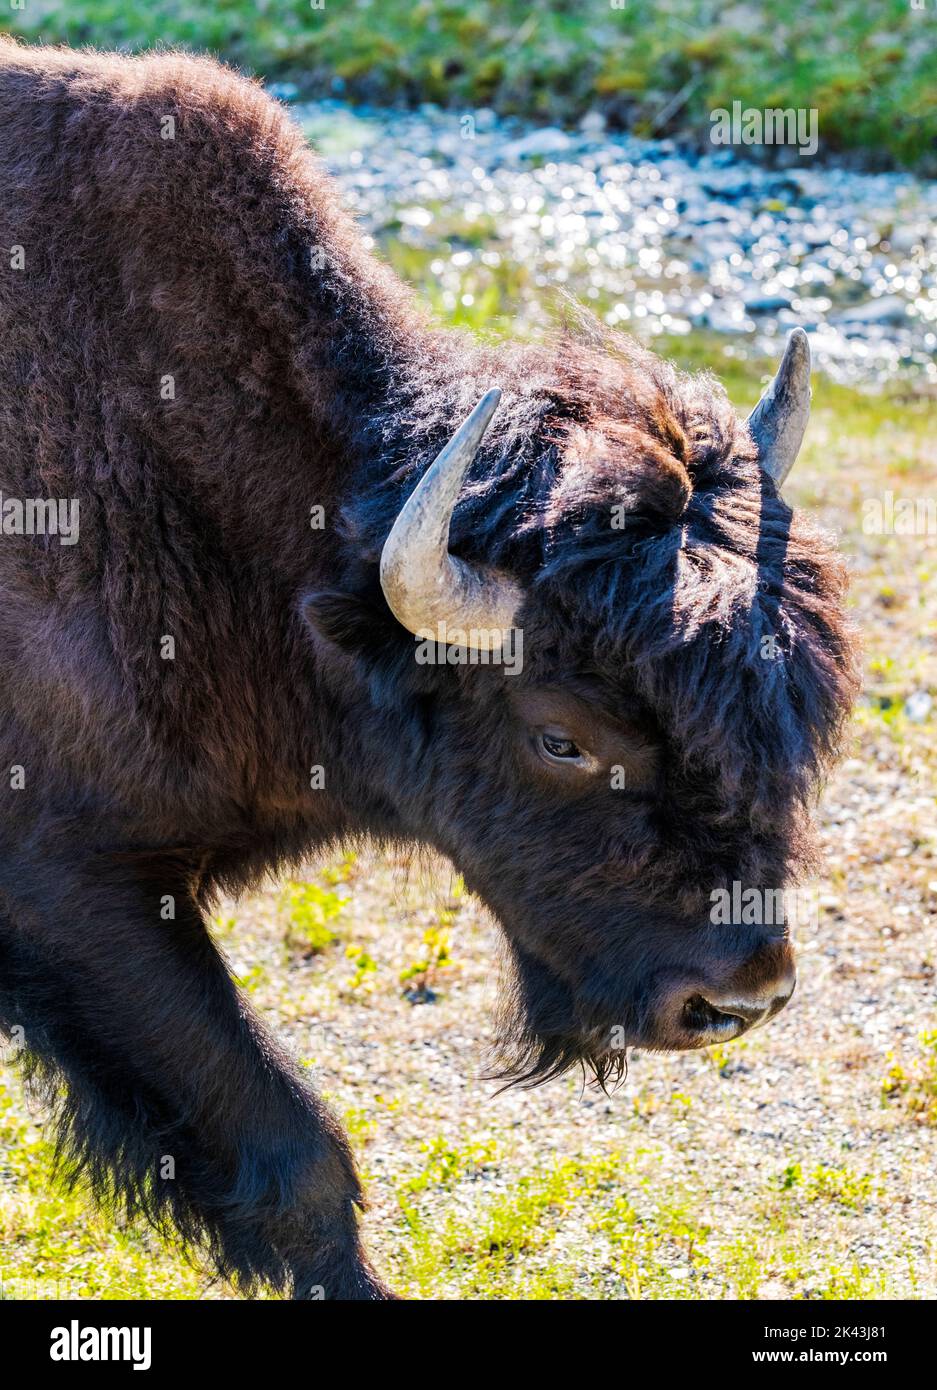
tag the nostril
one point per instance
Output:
(721, 1014)
(749, 1010)
(754, 1008)
(700, 1015)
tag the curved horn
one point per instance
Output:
(779, 419)
(424, 585)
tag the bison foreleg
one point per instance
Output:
(175, 1102)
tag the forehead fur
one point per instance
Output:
(628, 500)
(697, 585)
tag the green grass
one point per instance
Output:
(869, 70)
(308, 910)
(54, 1245)
(911, 1085)
(647, 1236)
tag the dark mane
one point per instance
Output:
(708, 572)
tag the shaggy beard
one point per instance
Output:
(537, 1037)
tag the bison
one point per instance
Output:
(238, 503)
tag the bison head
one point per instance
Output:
(685, 671)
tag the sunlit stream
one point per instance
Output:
(500, 222)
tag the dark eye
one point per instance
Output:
(557, 747)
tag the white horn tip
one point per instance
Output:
(798, 349)
(488, 404)
(779, 420)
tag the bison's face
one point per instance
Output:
(610, 863)
(627, 789)
(630, 925)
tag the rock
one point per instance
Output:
(813, 273)
(803, 318)
(485, 118)
(742, 245)
(818, 234)
(547, 140)
(889, 309)
(906, 239)
(728, 317)
(729, 183)
(918, 706)
(767, 303)
(593, 124)
(717, 249)
(786, 185)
